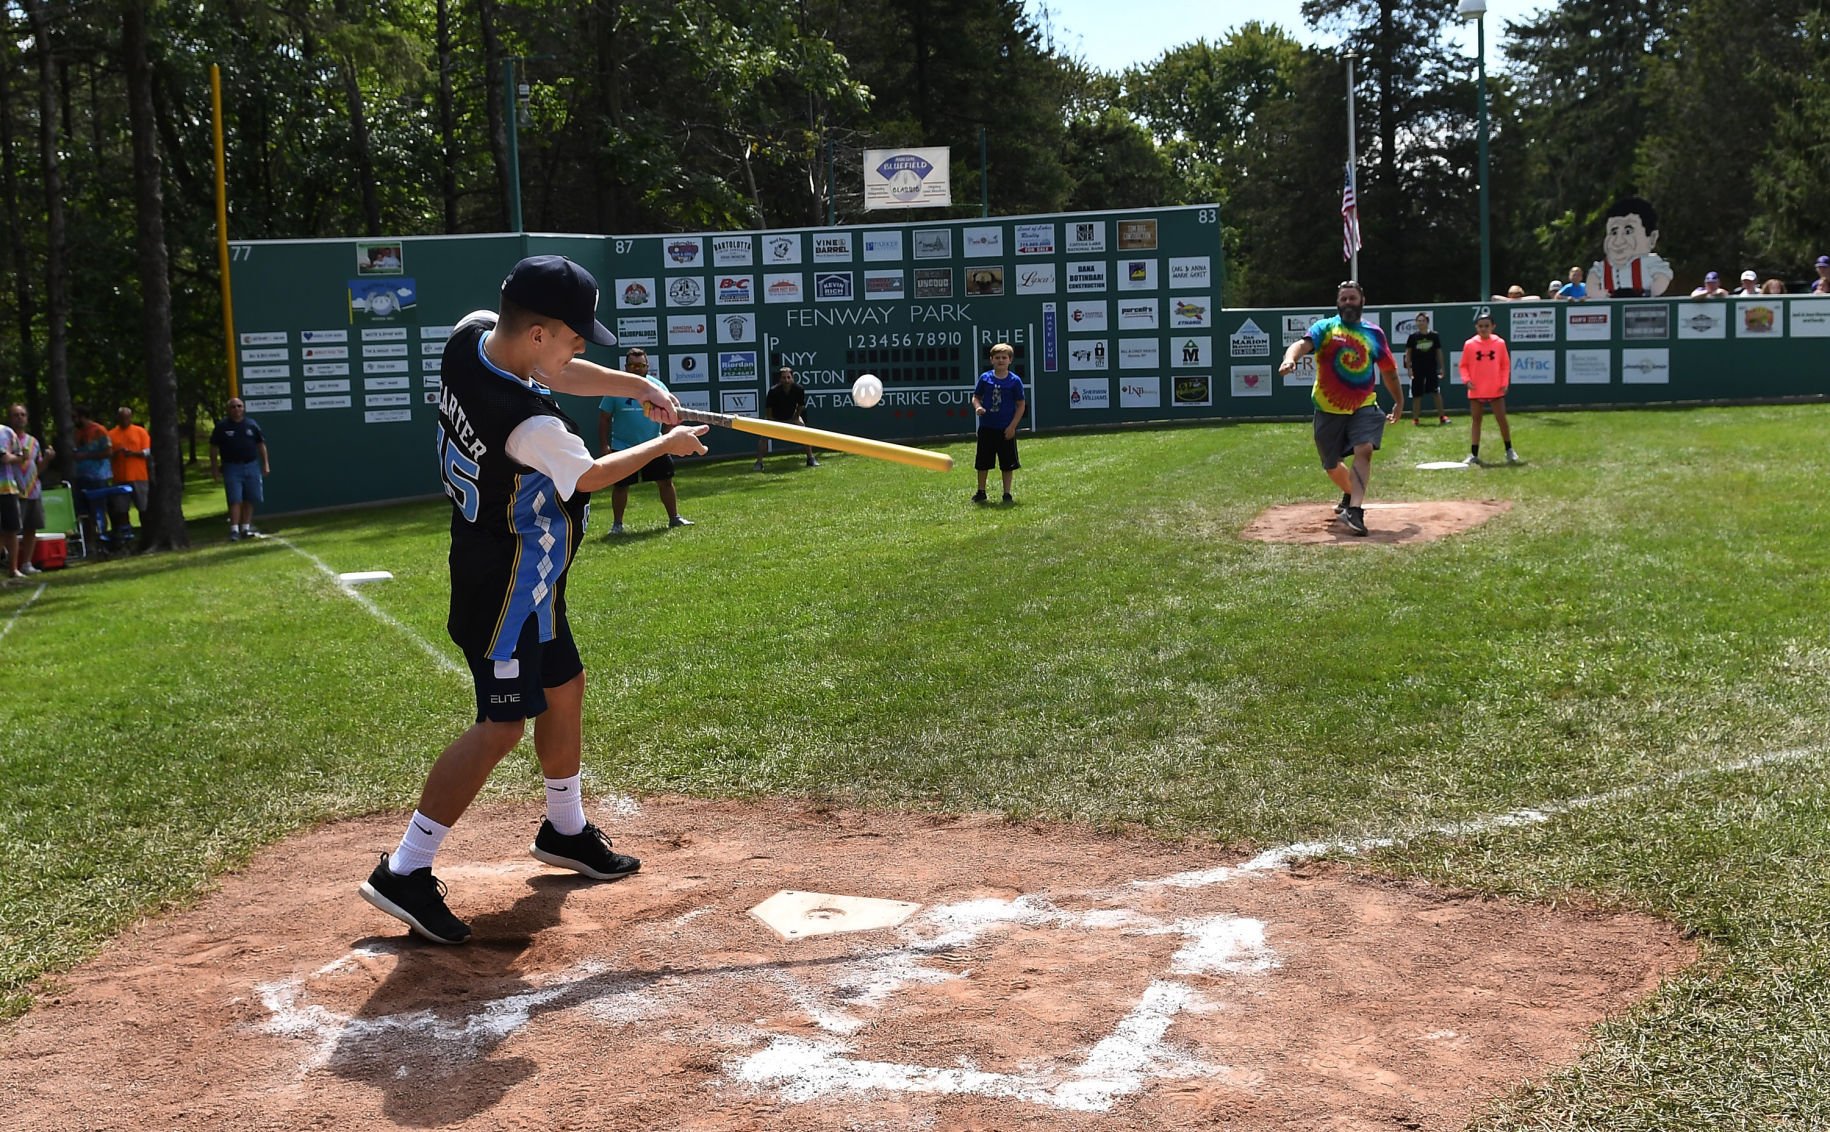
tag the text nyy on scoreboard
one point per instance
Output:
(1111, 316)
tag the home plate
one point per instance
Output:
(1441, 465)
(357, 577)
(799, 915)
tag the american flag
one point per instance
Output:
(1350, 218)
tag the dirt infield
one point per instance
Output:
(1386, 522)
(1053, 978)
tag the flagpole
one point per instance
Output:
(1354, 270)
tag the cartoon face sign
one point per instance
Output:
(1628, 237)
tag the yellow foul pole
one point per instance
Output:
(222, 231)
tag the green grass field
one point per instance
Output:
(1651, 612)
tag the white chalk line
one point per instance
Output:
(1121, 1064)
(8, 627)
(380, 614)
(1283, 856)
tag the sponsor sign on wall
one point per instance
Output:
(907, 178)
(1650, 323)
(1191, 310)
(1587, 367)
(1137, 314)
(1645, 367)
(1138, 353)
(1086, 316)
(934, 243)
(1035, 278)
(1087, 354)
(1140, 392)
(1584, 323)
(1534, 367)
(1755, 319)
(832, 247)
(1089, 393)
(883, 247)
(1249, 341)
(1186, 351)
(1252, 381)
(986, 242)
(1191, 390)
(1702, 320)
(1085, 236)
(1536, 324)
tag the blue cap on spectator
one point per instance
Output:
(554, 287)
(1823, 261)
(1712, 277)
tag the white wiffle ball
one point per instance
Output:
(866, 391)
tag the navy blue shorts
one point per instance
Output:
(996, 450)
(654, 471)
(509, 691)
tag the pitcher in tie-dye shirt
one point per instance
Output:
(1351, 356)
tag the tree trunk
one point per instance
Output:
(447, 125)
(165, 526)
(492, 98)
(23, 299)
(609, 98)
(57, 297)
(359, 142)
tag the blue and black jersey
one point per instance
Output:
(512, 537)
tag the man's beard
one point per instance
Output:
(1350, 312)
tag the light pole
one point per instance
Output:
(511, 105)
(1476, 10)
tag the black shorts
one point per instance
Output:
(509, 691)
(996, 450)
(1338, 434)
(9, 515)
(654, 471)
(1425, 383)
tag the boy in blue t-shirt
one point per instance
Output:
(998, 401)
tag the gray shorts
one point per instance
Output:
(1338, 434)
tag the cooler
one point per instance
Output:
(51, 552)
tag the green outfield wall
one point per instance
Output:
(1114, 317)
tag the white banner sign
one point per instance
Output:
(907, 178)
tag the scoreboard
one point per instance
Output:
(1111, 316)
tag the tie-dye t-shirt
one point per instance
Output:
(1349, 357)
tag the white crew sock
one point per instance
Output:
(417, 845)
(565, 804)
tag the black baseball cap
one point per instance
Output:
(552, 286)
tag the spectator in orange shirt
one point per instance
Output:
(1486, 367)
(132, 459)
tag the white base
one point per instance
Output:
(1442, 465)
(799, 915)
(357, 577)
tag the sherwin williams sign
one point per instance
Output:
(907, 178)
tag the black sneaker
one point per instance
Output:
(587, 852)
(1346, 500)
(1355, 518)
(1007, 498)
(416, 900)
(978, 497)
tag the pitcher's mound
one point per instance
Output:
(1385, 522)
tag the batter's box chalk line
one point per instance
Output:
(1136, 1052)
